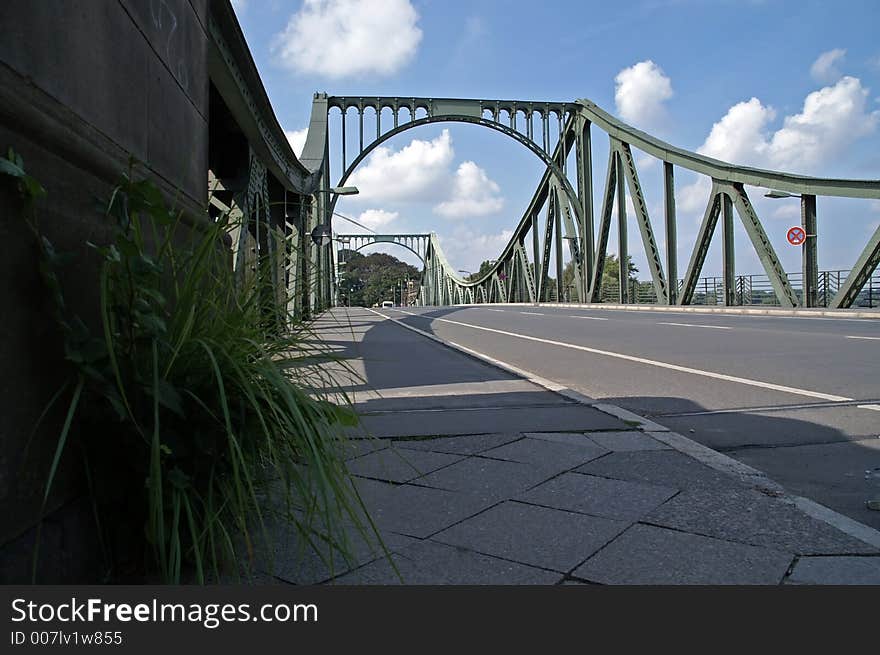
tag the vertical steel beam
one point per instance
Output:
(810, 253)
(761, 243)
(584, 157)
(623, 255)
(729, 260)
(344, 162)
(604, 228)
(543, 293)
(860, 274)
(536, 253)
(557, 225)
(701, 247)
(671, 237)
(652, 253)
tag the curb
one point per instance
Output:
(690, 309)
(703, 454)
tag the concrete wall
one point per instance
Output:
(84, 84)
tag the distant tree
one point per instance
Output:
(366, 280)
(485, 267)
(610, 273)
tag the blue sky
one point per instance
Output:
(784, 85)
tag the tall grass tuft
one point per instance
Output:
(202, 416)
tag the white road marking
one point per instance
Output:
(712, 327)
(651, 362)
(876, 408)
(534, 313)
(589, 318)
(495, 310)
(871, 338)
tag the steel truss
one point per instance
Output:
(561, 211)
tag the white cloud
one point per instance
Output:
(832, 119)
(344, 38)
(467, 249)
(374, 219)
(473, 194)
(824, 69)
(787, 211)
(640, 92)
(297, 139)
(739, 137)
(411, 173)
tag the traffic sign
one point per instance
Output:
(796, 235)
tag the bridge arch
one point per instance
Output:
(549, 161)
(393, 243)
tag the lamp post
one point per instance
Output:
(322, 234)
(810, 251)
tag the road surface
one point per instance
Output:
(798, 398)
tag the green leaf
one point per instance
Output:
(33, 188)
(10, 168)
(169, 397)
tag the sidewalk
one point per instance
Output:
(476, 476)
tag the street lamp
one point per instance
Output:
(809, 252)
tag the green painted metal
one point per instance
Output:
(671, 236)
(728, 252)
(655, 265)
(622, 239)
(810, 254)
(761, 243)
(569, 214)
(865, 265)
(704, 238)
(604, 227)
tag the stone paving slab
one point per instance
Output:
(663, 467)
(627, 441)
(431, 563)
(539, 536)
(746, 515)
(421, 511)
(588, 494)
(576, 438)
(486, 478)
(396, 465)
(648, 555)
(352, 448)
(547, 454)
(468, 444)
(295, 560)
(836, 571)
(509, 419)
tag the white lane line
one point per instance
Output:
(876, 408)
(495, 310)
(871, 338)
(534, 313)
(659, 313)
(588, 318)
(711, 327)
(652, 362)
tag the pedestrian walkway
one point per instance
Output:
(476, 476)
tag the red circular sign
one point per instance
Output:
(796, 235)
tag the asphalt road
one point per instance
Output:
(798, 398)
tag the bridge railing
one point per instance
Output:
(750, 290)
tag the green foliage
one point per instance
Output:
(366, 280)
(201, 421)
(485, 267)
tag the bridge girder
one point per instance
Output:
(567, 205)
